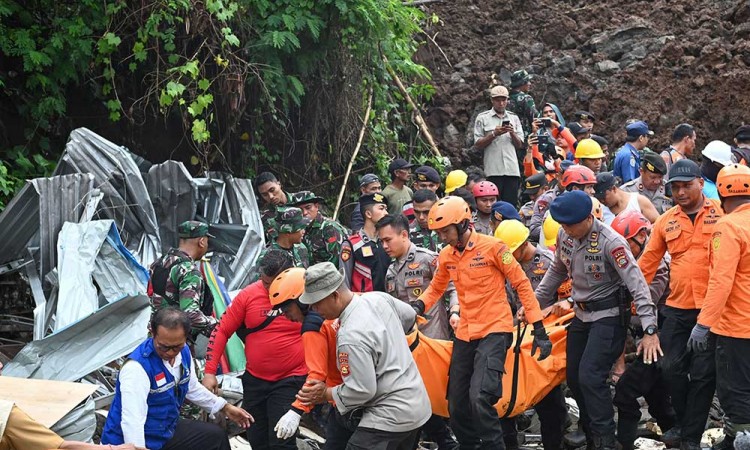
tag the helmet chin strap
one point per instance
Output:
(461, 228)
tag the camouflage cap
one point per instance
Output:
(304, 197)
(519, 78)
(191, 229)
(290, 219)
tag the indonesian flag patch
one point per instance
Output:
(160, 379)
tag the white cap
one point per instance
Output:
(719, 152)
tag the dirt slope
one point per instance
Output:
(661, 61)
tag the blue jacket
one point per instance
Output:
(709, 189)
(627, 163)
(164, 399)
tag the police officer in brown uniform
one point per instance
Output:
(651, 183)
(410, 273)
(604, 275)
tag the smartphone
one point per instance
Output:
(547, 122)
(506, 122)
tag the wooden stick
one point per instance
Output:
(420, 121)
(420, 2)
(354, 155)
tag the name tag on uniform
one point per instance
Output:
(366, 251)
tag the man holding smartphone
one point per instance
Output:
(499, 133)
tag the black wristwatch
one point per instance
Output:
(650, 330)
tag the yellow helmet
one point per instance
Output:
(513, 233)
(589, 149)
(455, 180)
(596, 209)
(550, 227)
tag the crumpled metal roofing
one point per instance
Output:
(70, 354)
(126, 200)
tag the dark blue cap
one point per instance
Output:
(638, 128)
(504, 211)
(684, 170)
(571, 207)
(427, 173)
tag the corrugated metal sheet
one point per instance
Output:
(61, 199)
(126, 199)
(110, 333)
(19, 222)
(173, 195)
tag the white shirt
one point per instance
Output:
(500, 158)
(135, 386)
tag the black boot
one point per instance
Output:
(671, 437)
(575, 439)
(606, 442)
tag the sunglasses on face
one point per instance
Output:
(169, 348)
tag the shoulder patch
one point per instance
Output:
(716, 240)
(507, 258)
(346, 253)
(620, 256)
(344, 364)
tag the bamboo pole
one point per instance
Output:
(354, 155)
(420, 121)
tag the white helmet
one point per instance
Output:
(718, 152)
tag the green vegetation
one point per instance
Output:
(251, 84)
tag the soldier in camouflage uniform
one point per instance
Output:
(323, 236)
(291, 228)
(270, 190)
(420, 234)
(175, 280)
(520, 102)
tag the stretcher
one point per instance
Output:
(526, 381)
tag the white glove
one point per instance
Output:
(287, 425)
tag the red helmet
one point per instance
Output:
(485, 189)
(577, 174)
(629, 223)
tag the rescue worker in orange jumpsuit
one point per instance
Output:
(726, 307)
(685, 231)
(319, 341)
(478, 265)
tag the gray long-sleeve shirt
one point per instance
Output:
(376, 365)
(598, 265)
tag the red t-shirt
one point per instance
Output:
(273, 353)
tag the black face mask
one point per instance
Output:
(710, 169)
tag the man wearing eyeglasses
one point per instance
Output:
(153, 384)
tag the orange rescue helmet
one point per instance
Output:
(733, 181)
(629, 223)
(450, 210)
(577, 174)
(288, 285)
